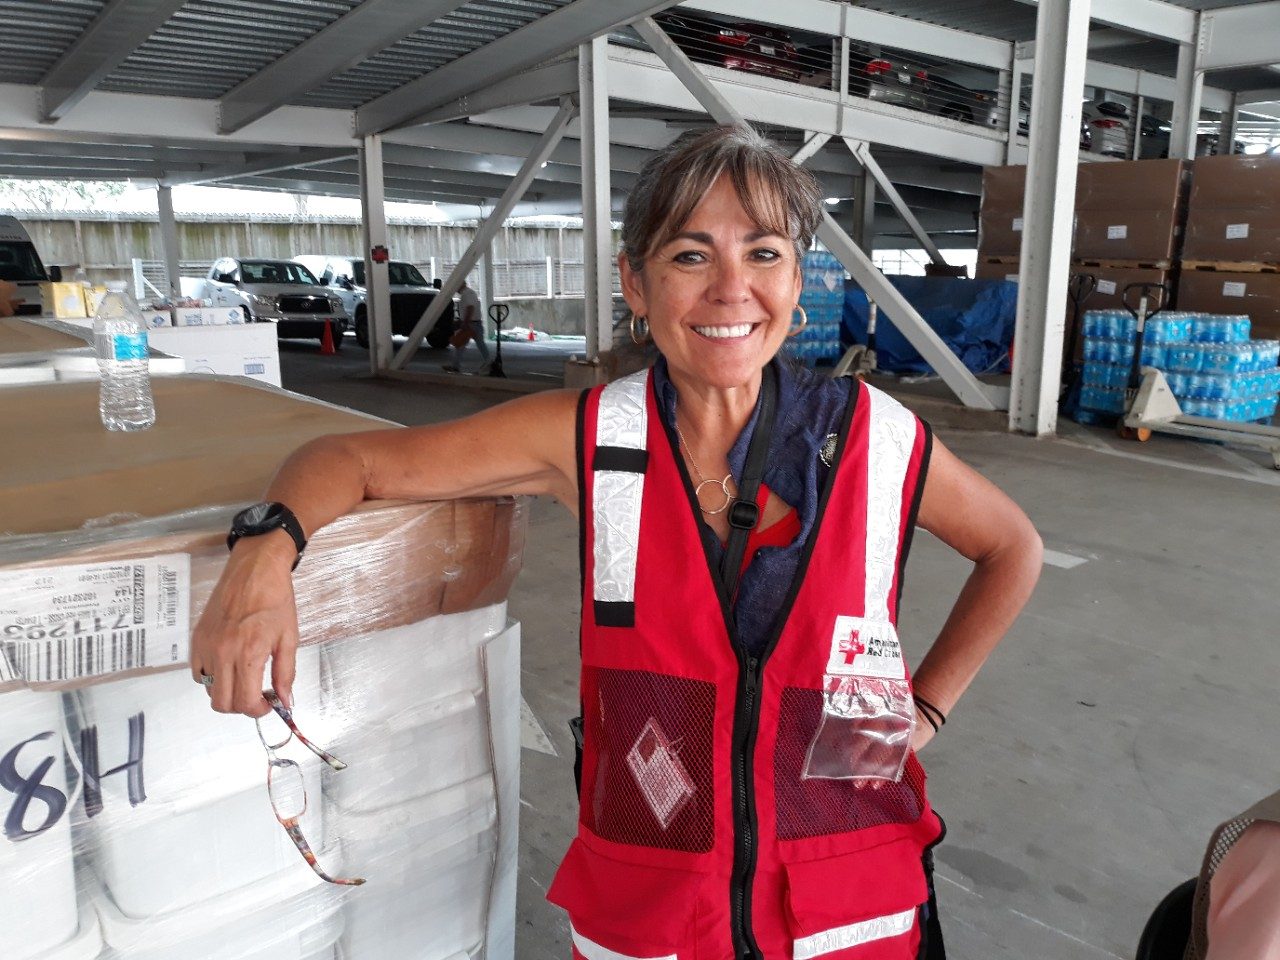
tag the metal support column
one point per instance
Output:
(1015, 103)
(936, 353)
(488, 230)
(1139, 109)
(1189, 83)
(1062, 39)
(377, 279)
(487, 289)
(597, 215)
(1227, 130)
(863, 217)
(168, 240)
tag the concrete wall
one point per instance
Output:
(561, 315)
(106, 247)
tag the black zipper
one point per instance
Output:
(745, 724)
(746, 718)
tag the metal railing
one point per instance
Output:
(960, 92)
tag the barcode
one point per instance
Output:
(88, 655)
(6, 672)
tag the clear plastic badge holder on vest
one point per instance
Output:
(868, 715)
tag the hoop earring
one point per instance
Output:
(804, 322)
(640, 336)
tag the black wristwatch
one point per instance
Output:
(263, 518)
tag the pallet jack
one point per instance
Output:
(498, 312)
(1150, 405)
(1080, 288)
(860, 359)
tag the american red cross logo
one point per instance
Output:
(850, 647)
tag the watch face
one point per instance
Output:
(257, 516)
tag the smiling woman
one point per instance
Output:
(749, 782)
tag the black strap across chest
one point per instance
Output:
(744, 513)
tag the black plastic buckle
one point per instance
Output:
(744, 515)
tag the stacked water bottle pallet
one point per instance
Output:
(1212, 366)
(822, 298)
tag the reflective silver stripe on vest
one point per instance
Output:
(853, 935)
(621, 421)
(593, 951)
(891, 438)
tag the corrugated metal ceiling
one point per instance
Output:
(37, 32)
(471, 26)
(210, 46)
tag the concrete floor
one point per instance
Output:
(1129, 711)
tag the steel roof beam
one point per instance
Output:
(406, 156)
(367, 29)
(267, 163)
(114, 34)
(476, 139)
(487, 184)
(551, 82)
(1244, 36)
(1150, 18)
(509, 55)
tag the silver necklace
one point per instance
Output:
(703, 481)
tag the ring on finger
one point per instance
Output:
(206, 679)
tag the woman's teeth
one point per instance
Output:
(724, 333)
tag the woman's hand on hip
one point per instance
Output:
(250, 617)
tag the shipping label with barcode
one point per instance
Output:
(87, 620)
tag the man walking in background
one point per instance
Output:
(470, 327)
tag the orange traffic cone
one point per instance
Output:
(326, 344)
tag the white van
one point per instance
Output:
(20, 264)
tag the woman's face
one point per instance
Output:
(720, 296)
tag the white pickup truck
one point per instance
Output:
(280, 292)
(411, 294)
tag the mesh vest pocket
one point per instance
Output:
(647, 775)
(817, 807)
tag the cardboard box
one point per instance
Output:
(1234, 212)
(1236, 181)
(1257, 294)
(63, 300)
(157, 318)
(1112, 281)
(1132, 185)
(1234, 234)
(93, 297)
(242, 350)
(33, 337)
(207, 316)
(1146, 236)
(988, 270)
(107, 609)
(1004, 187)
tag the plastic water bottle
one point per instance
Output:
(120, 339)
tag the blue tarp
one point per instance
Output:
(975, 318)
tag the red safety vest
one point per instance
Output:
(698, 836)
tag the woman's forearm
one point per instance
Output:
(320, 482)
(994, 594)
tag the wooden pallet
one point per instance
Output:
(1124, 264)
(1231, 266)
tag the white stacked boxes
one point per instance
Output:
(154, 837)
